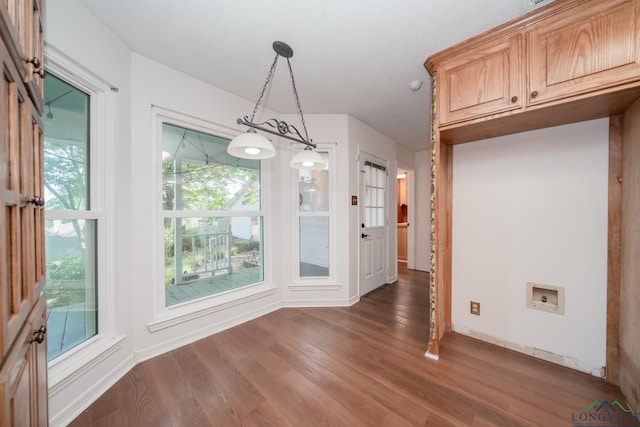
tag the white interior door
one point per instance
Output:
(373, 226)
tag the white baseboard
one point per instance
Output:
(566, 361)
(181, 341)
(299, 303)
(83, 401)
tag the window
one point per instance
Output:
(211, 215)
(374, 192)
(71, 221)
(314, 220)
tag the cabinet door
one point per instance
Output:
(39, 390)
(22, 32)
(34, 53)
(480, 82)
(23, 378)
(23, 362)
(17, 217)
(594, 47)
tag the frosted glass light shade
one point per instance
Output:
(250, 145)
(307, 159)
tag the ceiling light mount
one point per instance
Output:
(251, 145)
(283, 49)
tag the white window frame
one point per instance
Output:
(166, 317)
(82, 358)
(312, 282)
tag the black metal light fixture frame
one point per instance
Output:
(280, 127)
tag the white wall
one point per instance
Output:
(154, 84)
(76, 378)
(405, 157)
(533, 207)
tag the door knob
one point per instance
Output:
(364, 235)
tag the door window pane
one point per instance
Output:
(375, 193)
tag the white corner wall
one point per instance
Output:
(533, 207)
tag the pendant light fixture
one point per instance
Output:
(251, 145)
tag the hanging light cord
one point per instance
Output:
(264, 87)
(295, 92)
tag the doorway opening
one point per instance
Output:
(404, 206)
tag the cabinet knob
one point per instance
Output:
(534, 93)
(514, 98)
(37, 201)
(38, 335)
(35, 61)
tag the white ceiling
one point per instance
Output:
(353, 57)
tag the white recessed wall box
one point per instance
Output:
(545, 297)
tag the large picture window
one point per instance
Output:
(212, 217)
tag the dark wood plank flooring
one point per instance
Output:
(357, 366)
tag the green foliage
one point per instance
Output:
(66, 269)
(65, 175)
(209, 187)
(169, 242)
(65, 282)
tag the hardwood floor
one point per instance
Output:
(357, 366)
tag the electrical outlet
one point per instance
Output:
(475, 308)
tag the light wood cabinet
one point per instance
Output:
(572, 60)
(485, 80)
(23, 388)
(580, 60)
(23, 350)
(593, 48)
(22, 30)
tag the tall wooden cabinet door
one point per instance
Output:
(17, 226)
(594, 47)
(480, 82)
(23, 362)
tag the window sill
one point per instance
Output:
(315, 286)
(67, 368)
(185, 312)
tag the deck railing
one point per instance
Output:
(213, 257)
